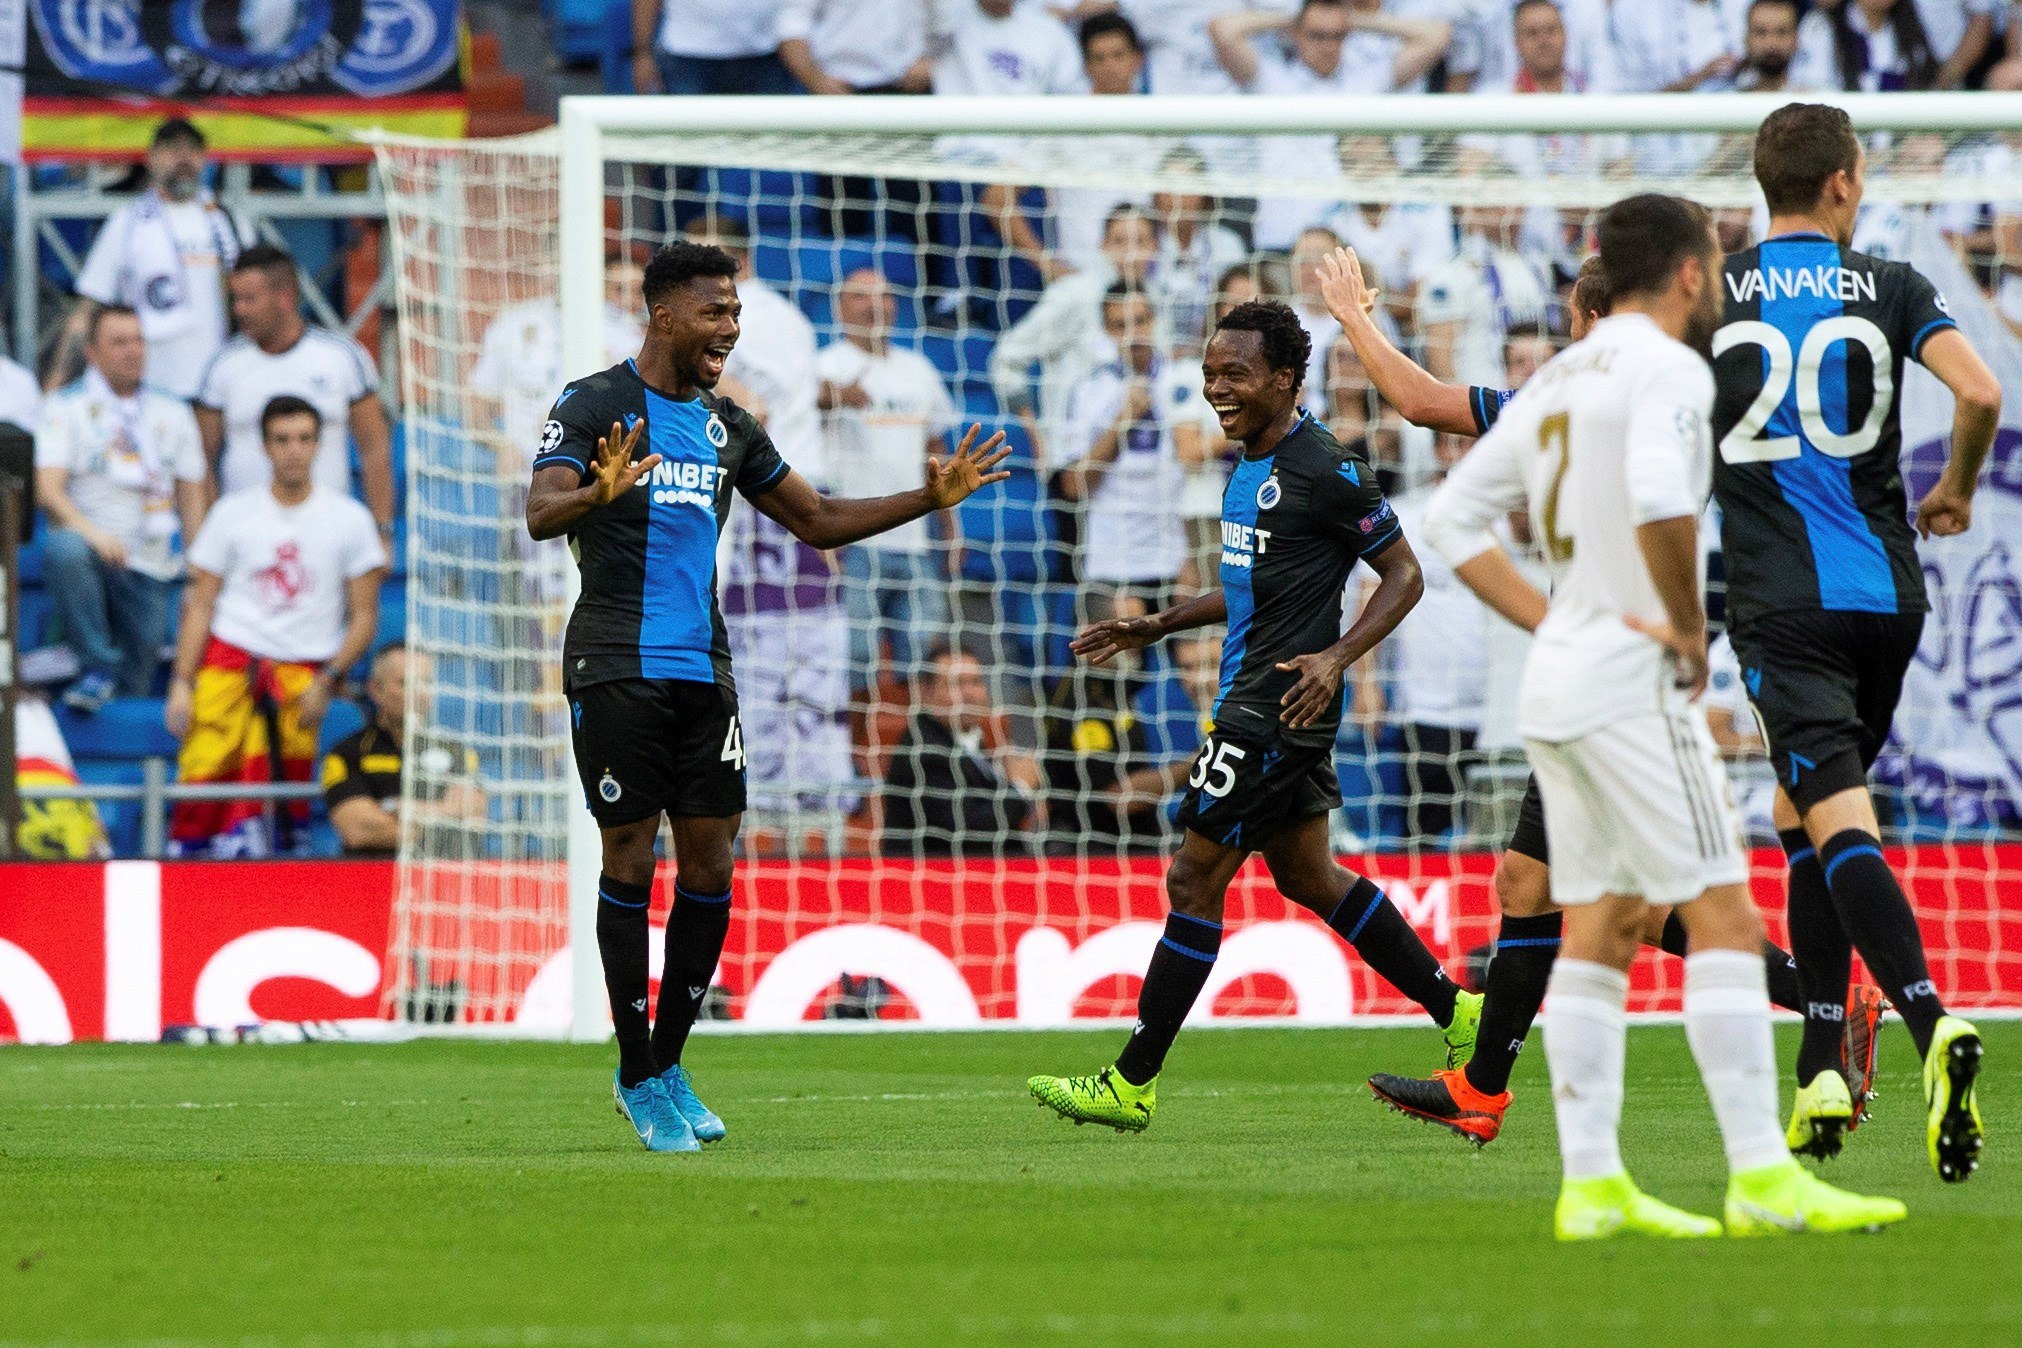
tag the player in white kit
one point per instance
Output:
(1608, 447)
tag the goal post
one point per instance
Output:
(1038, 927)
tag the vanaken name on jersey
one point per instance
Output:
(1824, 281)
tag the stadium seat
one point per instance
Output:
(122, 818)
(125, 729)
(29, 558)
(392, 613)
(345, 717)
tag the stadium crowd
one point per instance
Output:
(217, 476)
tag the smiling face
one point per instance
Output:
(698, 319)
(1248, 396)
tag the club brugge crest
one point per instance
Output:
(718, 433)
(609, 789)
(1269, 494)
(249, 47)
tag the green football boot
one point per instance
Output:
(1104, 1098)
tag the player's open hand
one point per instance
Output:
(1317, 691)
(1099, 643)
(970, 468)
(1342, 286)
(616, 473)
(1687, 649)
(1944, 512)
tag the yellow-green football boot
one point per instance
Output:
(1785, 1198)
(1595, 1209)
(1461, 1030)
(1953, 1132)
(1104, 1098)
(1820, 1116)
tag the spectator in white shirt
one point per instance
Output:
(1672, 46)
(1468, 306)
(165, 256)
(1868, 45)
(277, 353)
(1007, 49)
(118, 469)
(1331, 49)
(885, 410)
(1193, 250)
(1136, 427)
(519, 358)
(1961, 33)
(771, 372)
(283, 598)
(20, 395)
(1062, 333)
(1315, 243)
(1112, 56)
(850, 47)
(2006, 76)
(707, 47)
(1486, 55)
(1769, 50)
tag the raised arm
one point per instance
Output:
(1976, 415)
(560, 497)
(831, 521)
(1424, 41)
(1234, 38)
(1418, 397)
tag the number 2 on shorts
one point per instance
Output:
(1216, 761)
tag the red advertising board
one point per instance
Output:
(121, 950)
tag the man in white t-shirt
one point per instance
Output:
(1136, 427)
(1330, 50)
(519, 359)
(118, 470)
(707, 47)
(770, 374)
(1485, 56)
(884, 410)
(277, 353)
(1468, 306)
(283, 598)
(165, 255)
(849, 47)
(1637, 807)
(1194, 250)
(20, 395)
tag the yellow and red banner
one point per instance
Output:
(266, 80)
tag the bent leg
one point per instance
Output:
(1195, 885)
(1526, 947)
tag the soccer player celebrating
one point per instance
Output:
(1472, 1098)
(1608, 447)
(1825, 597)
(636, 466)
(1298, 513)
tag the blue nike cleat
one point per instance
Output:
(653, 1116)
(681, 1093)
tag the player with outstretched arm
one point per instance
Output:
(1298, 513)
(1608, 449)
(636, 465)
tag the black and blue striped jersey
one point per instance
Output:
(1486, 405)
(648, 559)
(1808, 364)
(1294, 523)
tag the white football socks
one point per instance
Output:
(1586, 1026)
(1727, 1024)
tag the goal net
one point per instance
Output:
(950, 822)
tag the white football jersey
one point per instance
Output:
(1611, 434)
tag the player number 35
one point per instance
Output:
(1214, 770)
(1747, 444)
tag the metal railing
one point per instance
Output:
(156, 793)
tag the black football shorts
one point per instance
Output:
(1528, 837)
(1244, 788)
(1825, 687)
(648, 746)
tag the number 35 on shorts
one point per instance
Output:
(733, 745)
(1215, 768)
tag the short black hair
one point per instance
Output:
(1646, 237)
(1286, 345)
(1522, 5)
(276, 262)
(178, 131)
(1795, 6)
(1799, 146)
(288, 405)
(1095, 25)
(1119, 291)
(100, 314)
(1126, 210)
(1590, 287)
(678, 263)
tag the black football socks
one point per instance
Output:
(1777, 964)
(1180, 965)
(1525, 949)
(695, 931)
(1367, 919)
(1877, 917)
(1825, 959)
(621, 941)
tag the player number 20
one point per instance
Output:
(1215, 771)
(733, 746)
(1747, 444)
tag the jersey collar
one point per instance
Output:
(1795, 234)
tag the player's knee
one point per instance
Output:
(1724, 918)
(1315, 887)
(1187, 889)
(1523, 886)
(628, 851)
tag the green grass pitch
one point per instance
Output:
(901, 1189)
